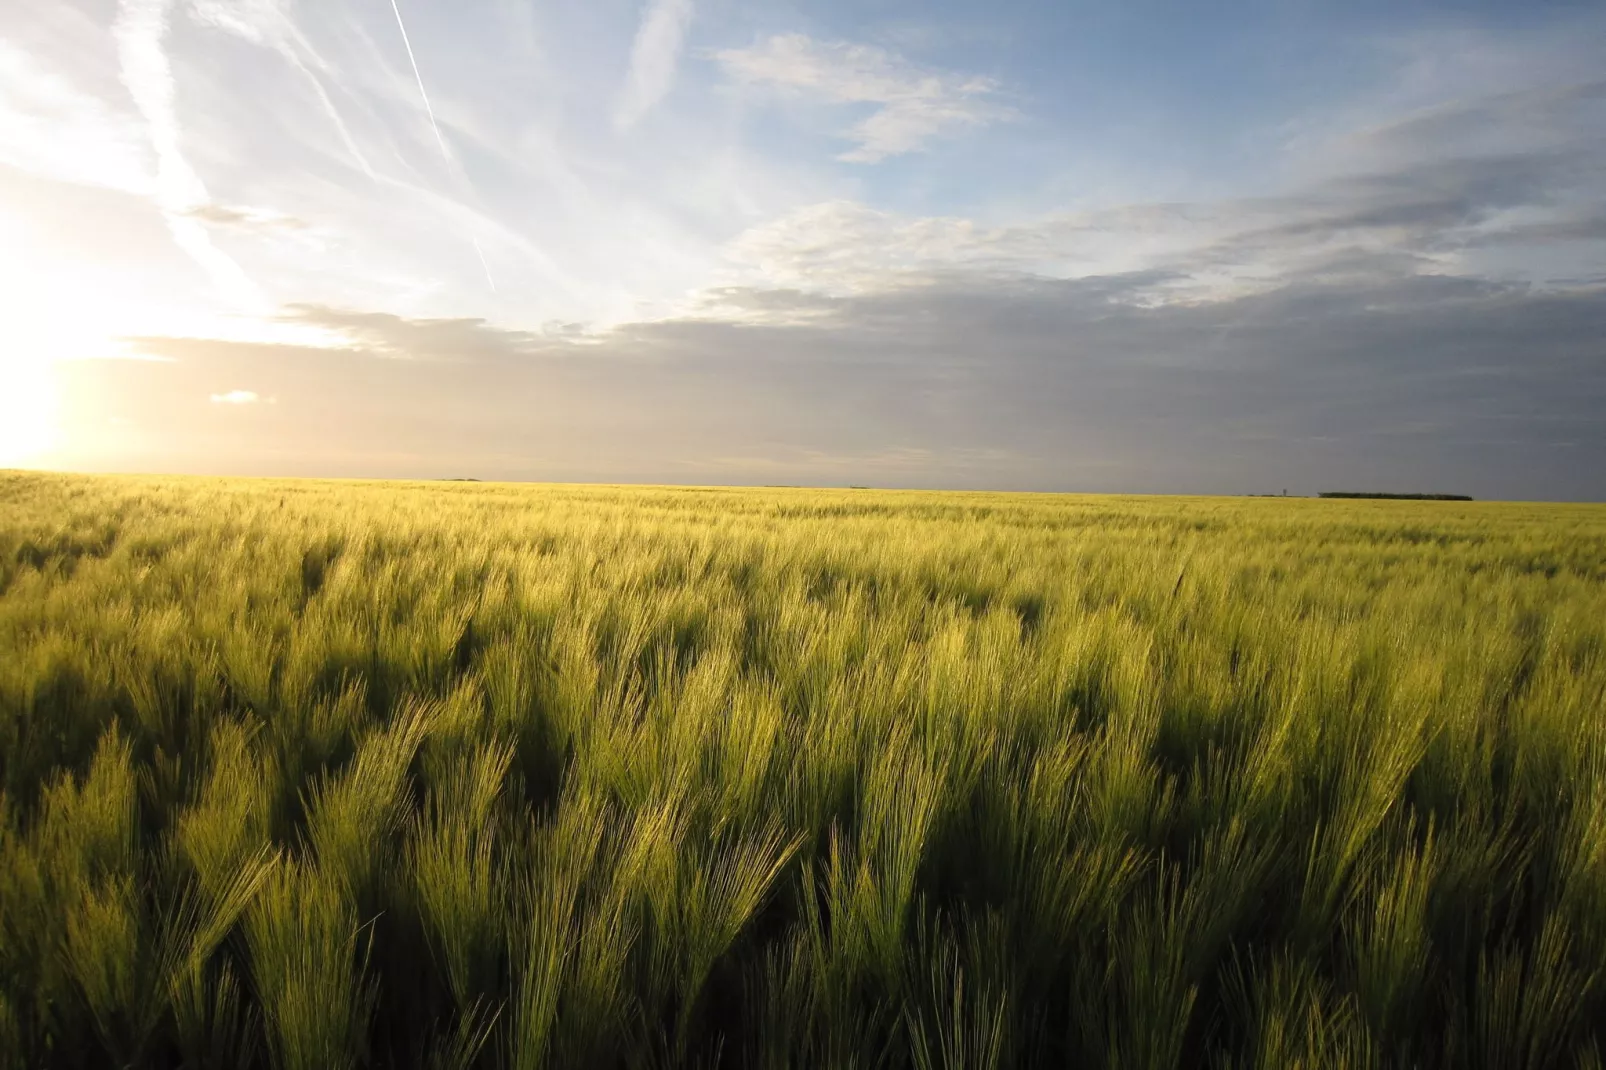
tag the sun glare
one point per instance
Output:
(29, 402)
(28, 410)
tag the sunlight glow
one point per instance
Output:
(29, 401)
(28, 411)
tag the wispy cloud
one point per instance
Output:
(845, 247)
(236, 397)
(452, 340)
(245, 218)
(913, 105)
(140, 31)
(1435, 191)
(653, 59)
(50, 128)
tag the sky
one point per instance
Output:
(1146, 245)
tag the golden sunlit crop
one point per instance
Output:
(301, 775)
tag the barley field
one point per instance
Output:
(312, 775)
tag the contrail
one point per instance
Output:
(422, 92)
(329, 106)
(268, 23)
(435, 126)
(140, 32)
(483, 262)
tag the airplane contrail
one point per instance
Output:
(435, 126)
(141, 32)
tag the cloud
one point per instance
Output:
(454, 340)
(1374, 375)
(1531, 117)
(49, 127)
(140, 30)
(892, 462)
(653, 58)
(236, 397)
(1442, 209)
(244, 218)
(1571, 226)
(914, 105)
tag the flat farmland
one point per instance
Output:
(301, 774)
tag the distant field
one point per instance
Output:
(319, 774)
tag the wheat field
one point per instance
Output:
(312, 775)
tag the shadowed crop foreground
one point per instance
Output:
(318, 775)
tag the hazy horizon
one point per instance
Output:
(934, 487)
(1142, 248)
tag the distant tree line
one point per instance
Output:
(1412, 497)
